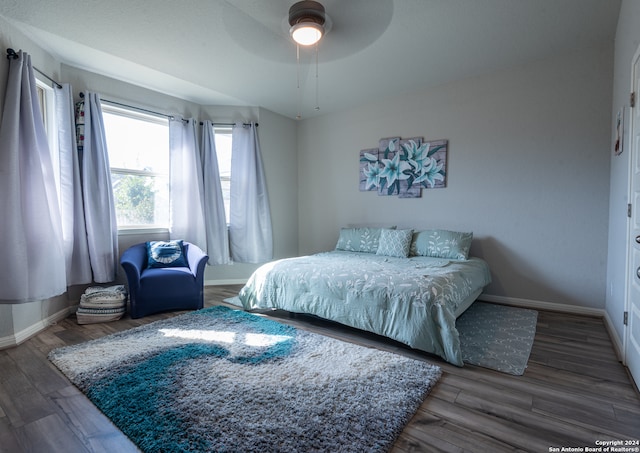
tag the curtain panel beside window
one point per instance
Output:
(30, 222)
(250, 230)
(99, 207)
(186, 184)
(74, 232)
(215, 219)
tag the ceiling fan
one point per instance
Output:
(264, 28)
(298, 33)
(307, 20)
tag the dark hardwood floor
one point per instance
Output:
(574, 393)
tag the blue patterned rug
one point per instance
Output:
(497, 336)
(224, 380)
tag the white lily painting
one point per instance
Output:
(404, 167)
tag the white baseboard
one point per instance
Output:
(615, 339)
(562, 308)
(540, 305)
(34, 329)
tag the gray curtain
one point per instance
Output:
(187, 192)
(250, 230)
(214, 215)
(30, 222)
(99, 207)
(74, 232)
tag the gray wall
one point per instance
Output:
(528, 173)
(627, 41)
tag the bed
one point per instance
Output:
(406, 294)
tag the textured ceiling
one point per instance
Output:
(238, 52)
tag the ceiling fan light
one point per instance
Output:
(306, 33)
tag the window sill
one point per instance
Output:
(142, 230)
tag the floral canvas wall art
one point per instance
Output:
(369, 169)
(388, 180)
(403, 167)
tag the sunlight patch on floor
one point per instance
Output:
(249, 339)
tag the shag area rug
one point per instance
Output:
(224, 380)
(497, 336)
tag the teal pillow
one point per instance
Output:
(441, 244)
(395, 243)
(166, 254)
(363, 239)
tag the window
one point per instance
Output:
(138, 146)
(41, 89)
(223, 150)
(46, 99)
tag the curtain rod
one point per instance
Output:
(171, 117)
(227, 124)
(11, 54)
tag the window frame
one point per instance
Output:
(225, 130)
(133, 113)
(46, 100)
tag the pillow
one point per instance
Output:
(364, 239)
(395, 243)
(166, 254)
(441, 244)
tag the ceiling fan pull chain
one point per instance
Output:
(299, 115)
(317, 80)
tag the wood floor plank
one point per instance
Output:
(553, 429)
(604, 353)
(505, 432)
(565, 381)
(499, 394)
(33, 363)
(428, 429)
(89, 424)
(8, 440)
(582, 415)
(573, 391)
(19, 398)
(444, 391)
(49, 433)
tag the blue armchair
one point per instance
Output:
(152, 290)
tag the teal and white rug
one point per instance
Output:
(498, 337)
(224, 380)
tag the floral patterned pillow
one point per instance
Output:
(441, 244)
(395, 243)
(359, 239)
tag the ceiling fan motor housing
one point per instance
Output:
(306, 11)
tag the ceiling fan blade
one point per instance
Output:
(256, 27)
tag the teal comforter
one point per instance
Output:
(412, 300)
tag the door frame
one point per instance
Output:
(634, 154)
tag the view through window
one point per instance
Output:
(223, 150)
(138, 146)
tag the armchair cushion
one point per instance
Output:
(166, 254)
